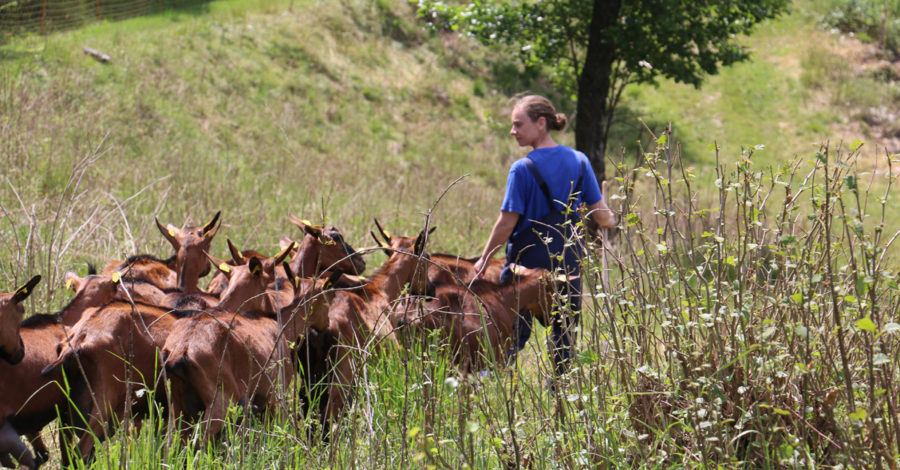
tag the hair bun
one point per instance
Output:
(560, 123)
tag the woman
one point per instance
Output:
(538, 213)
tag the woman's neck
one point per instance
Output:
(545, 142)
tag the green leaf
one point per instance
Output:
(866, 324)
(587, 357)
(850, 181)
(632, 219)
(662, 140)
(860, 414)
(787, 239)
(856, 145)
(879, 359)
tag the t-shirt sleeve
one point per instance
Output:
(591, 189)
(516, 189)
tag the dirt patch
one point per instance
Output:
(877, 126)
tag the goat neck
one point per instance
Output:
(12, 349)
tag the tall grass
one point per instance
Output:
(758, 330)
(748, 322)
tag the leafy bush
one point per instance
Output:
(871, 20)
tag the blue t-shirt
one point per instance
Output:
(560, 167)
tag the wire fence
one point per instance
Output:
(43, 16)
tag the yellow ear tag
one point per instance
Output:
(388, 234)
(296, 283)
(306, 222)
(255, 270)
(116, 277)
(171, 232)
(516, 269)
(224, 268)
(24, 290)
(68, 284)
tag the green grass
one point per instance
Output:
(345, 111)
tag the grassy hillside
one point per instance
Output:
(716, 319)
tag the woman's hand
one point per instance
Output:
(479, 268)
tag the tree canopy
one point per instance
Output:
(595, 48)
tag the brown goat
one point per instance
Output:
(184, 270)
(320, 250)
(452, 269)
(219, 357)
(478, 321)
(117, 347)
(358, 324)
(255, 284)
(324, 249)
(28, 400)
(111, 350)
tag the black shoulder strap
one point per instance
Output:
(540, 180)
(543, 184)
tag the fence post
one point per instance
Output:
(43, 15)
(98, 11)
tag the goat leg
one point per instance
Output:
(11, 444)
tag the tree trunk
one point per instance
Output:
(592, 112)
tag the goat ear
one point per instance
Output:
(384, 233)
(284, 253)
(23, 292)
(210, 229)
(73, 281)
(380, 243)
(306, 226)
(169, 232)
(295, 283)
(256, 267)
(220, 265)
(419, 247)
(285, 242)
(236, 255)
(332, 280)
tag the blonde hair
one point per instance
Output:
(537, 106)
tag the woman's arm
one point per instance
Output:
(503, 228)
(600, 212)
